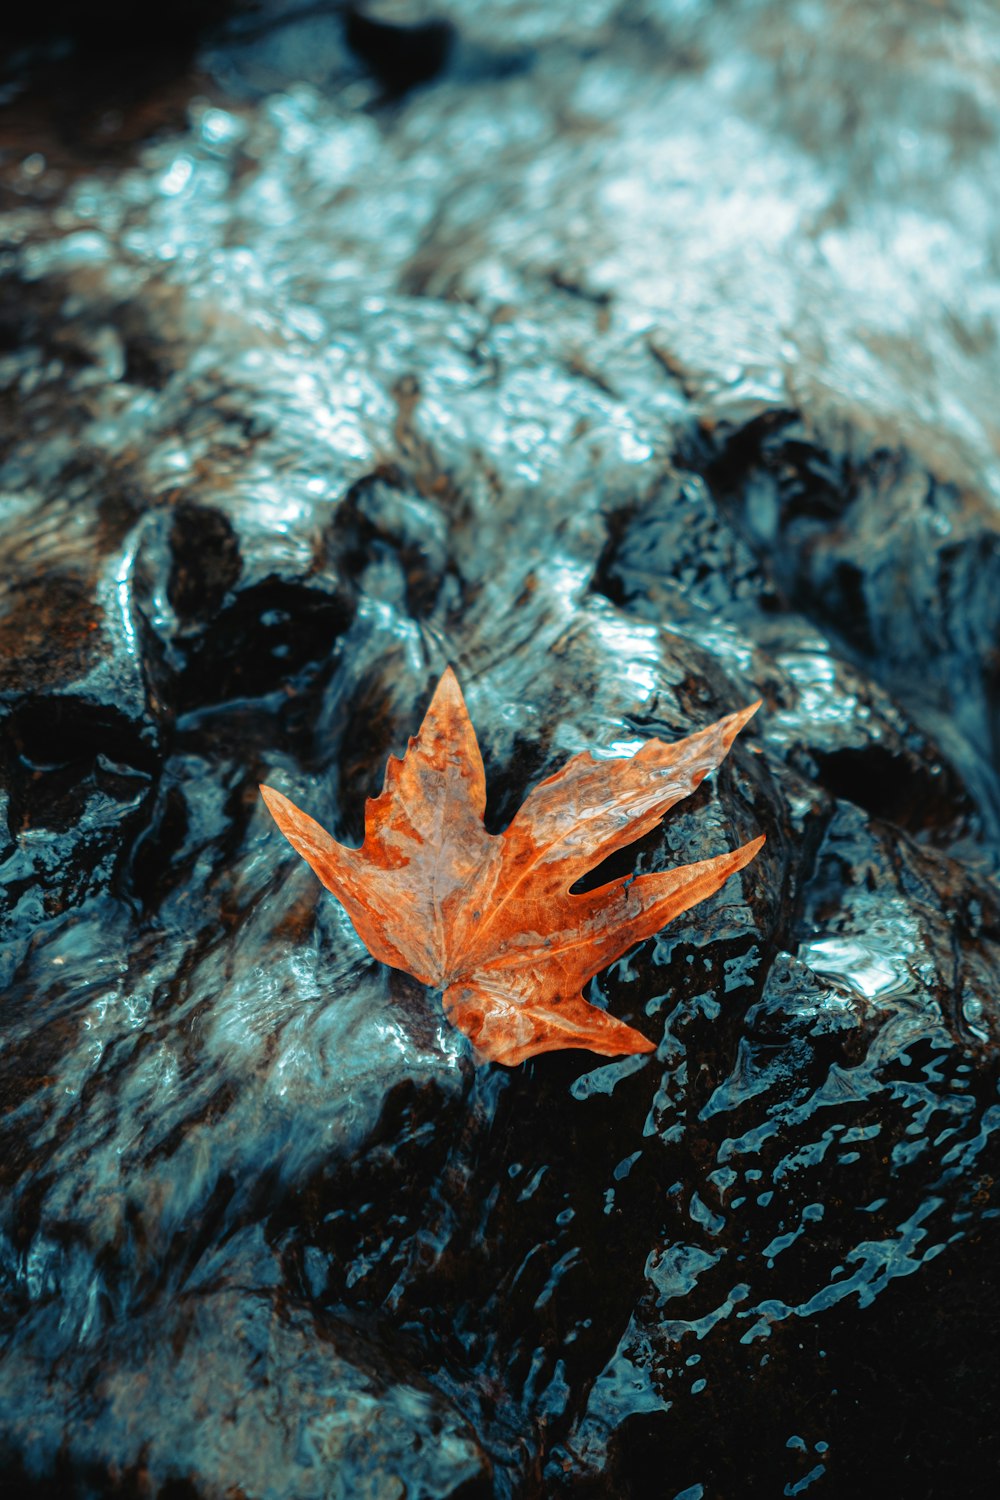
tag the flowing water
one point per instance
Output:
(639, 360)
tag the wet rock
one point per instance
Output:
(212, 635)
(680, 556)
(355, 1430)
(400, 55)
(563, 374)
(896, 563)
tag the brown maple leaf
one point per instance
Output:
(489, 919)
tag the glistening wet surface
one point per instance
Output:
(638, 361)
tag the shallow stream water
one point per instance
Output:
(638, 360)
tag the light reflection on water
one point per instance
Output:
(871, 970)
(223, 1053)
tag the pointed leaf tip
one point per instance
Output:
(448, 687)
(741, 718)
(272, 797)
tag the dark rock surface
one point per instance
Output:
(638, 360)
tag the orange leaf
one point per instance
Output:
(489, 919)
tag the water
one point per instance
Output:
(639, 366)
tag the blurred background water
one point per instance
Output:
(638, 359)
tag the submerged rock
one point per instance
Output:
(557, 365)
